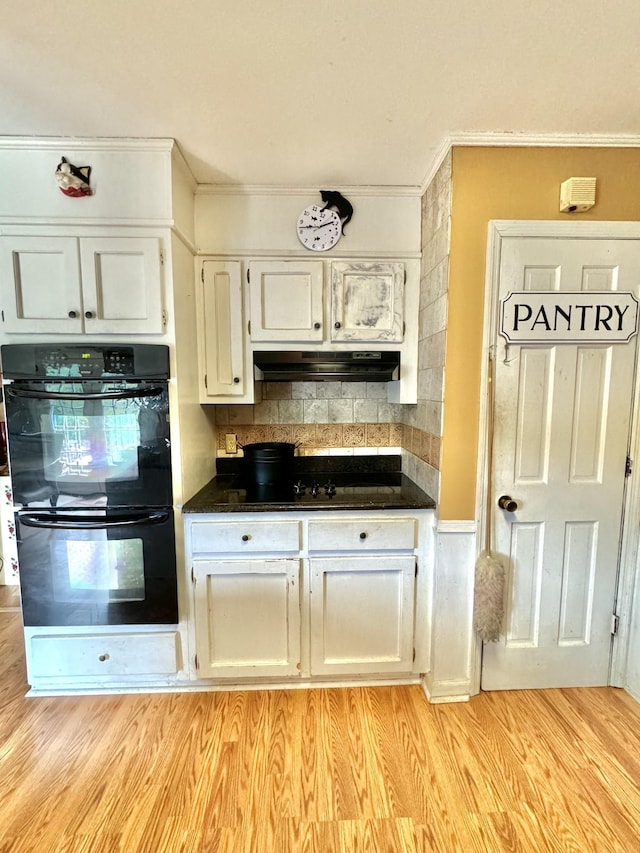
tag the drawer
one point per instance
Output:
(239, 537)
(103, 654)
(366, 534)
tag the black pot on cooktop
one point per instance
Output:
(269, 464)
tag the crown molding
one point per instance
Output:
(436, 163)
(526, 140)
(274, 190)
(462, 138)
(89, 143)
(545, 140)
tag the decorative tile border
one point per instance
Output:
(353, 437)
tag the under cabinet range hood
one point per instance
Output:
(349, 366)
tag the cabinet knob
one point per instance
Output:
(103, 657)
(245, 537)
(363, 535)
(236, 380)
(89, 314)
(73, 314)
(316, 325)
(337, 325)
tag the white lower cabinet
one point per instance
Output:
(362, 607)
(60, 659)
(314, 596)
(362, 615)
(247, 616)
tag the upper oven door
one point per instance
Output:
(71, 439)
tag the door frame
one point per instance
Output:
(630, 541)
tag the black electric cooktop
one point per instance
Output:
(318, 483)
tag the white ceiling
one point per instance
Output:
(315, 92)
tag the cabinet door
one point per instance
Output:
(121, 285)
(222, 333)
(367, 302)
(286, 301)
(40, 284)
(362, 615)
(247, 617)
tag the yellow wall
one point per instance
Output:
(506, 183)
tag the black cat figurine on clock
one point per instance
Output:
(334, 199)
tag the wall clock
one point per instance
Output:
(319, 229)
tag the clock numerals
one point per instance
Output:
(319, 229)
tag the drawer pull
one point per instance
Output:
(363, 535)
(245, 537)
(103, 657)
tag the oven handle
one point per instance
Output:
(90, 522)
(33, 393)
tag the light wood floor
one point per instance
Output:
(357, 769)
(9, 597)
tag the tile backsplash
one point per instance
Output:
(327, 417)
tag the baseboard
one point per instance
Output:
(443, 692)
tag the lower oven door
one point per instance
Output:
(97, 566)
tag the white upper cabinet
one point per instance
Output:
(71, 285)
(40, 284)
(293, 304)
(367, 302)
(286, 301)
(222, 364)
(121, 285)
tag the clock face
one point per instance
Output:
(319, 229)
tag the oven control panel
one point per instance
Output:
(85, 361)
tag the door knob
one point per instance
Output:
(507, 503)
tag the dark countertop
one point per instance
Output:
(362, 484)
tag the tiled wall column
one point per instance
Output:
(422, 460)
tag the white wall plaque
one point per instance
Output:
(548, 317)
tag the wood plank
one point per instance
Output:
(323, 770)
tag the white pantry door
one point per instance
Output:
(561, 432)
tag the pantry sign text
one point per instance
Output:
(548, 317)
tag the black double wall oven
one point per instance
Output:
(90, 462)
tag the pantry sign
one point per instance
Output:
(570, 317)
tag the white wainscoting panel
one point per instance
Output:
(451, 673)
